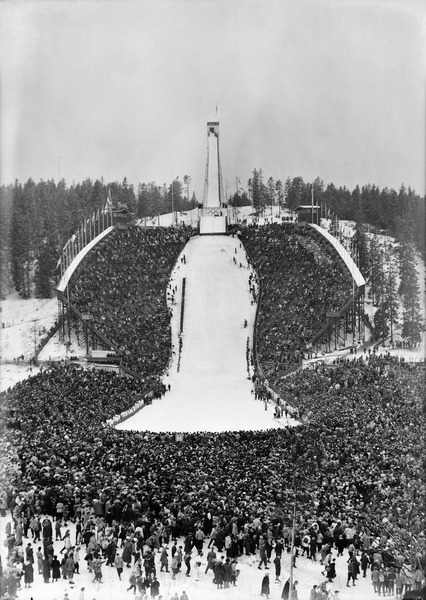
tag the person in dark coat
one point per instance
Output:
(227, 573)
(351, 572)
(364, 563)
(56, 568)
(47, 530)
(277, 563)
(331, 569)
(211, 557)
(286, 590)
(29, 554)
(219, 573)
(46, 570)
(187, 561)
(265, 586)
(155, 588)
(127, 552)
(28, 574)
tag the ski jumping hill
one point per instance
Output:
(211, 387)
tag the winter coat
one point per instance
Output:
(28, 573)
(56, 568)
(265, 585)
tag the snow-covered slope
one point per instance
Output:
(212, 390)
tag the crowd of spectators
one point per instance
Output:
(354, 464)
(301, 282)
(124, 287)
(355, 459)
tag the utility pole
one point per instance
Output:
(292, 548)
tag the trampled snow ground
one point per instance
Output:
(198, 586)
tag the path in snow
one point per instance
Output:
(211, 391)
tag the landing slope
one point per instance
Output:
(211, 390)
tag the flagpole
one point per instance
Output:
(173, 207)
(110, 205)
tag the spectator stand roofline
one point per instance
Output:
(344, 255)
(69, 272)
(349, 319)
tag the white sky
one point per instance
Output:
(116, 88)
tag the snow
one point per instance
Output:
(23, 322)
(199, 586)
(212, 389)
(22, 325)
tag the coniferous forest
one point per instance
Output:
(38, 218)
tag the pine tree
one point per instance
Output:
(377, 277)
(271, 193)
(258, 191)
(412, 324)
(6, 205)
(361, 250)
(22, 237)
(381, 321)
(392, 299)
(386, 315)
(280, 193)
(295, 192)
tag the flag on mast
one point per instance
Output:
(109, 205)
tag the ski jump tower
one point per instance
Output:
(214, 212)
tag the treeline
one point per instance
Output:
(156, 199)
(396, 212)
(400, 214)
(384, 264)
(37, 219)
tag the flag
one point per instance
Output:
(109, 199)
